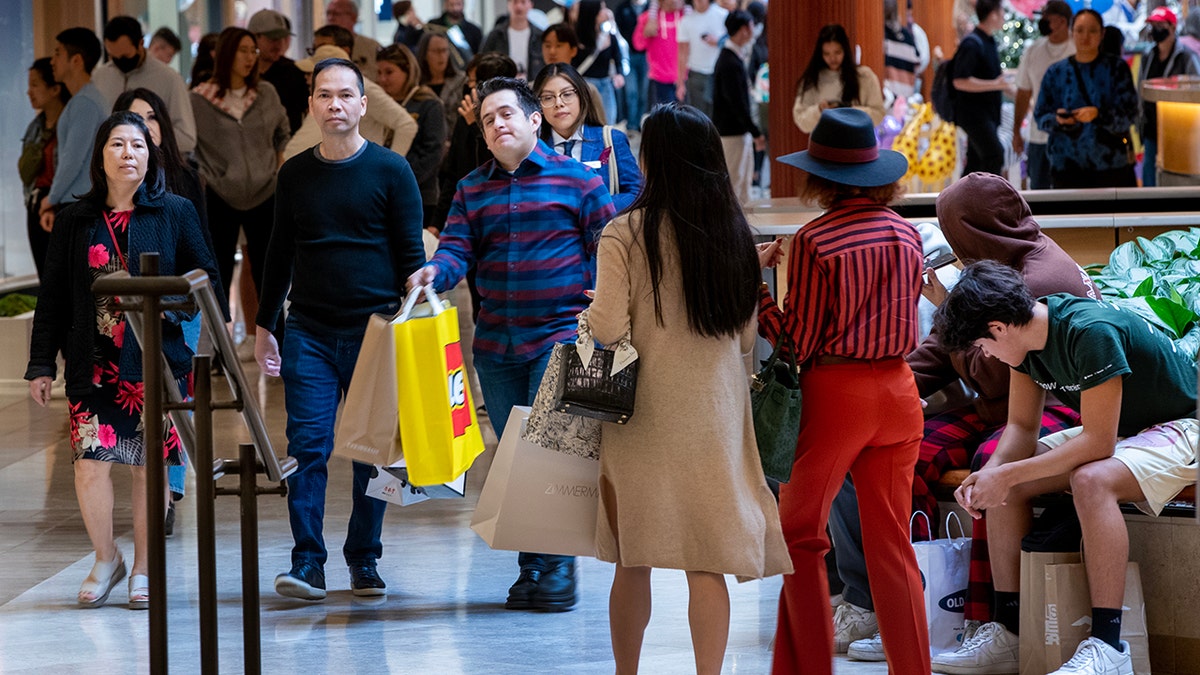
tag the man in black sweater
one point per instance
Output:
(731, 104)
(347, 235)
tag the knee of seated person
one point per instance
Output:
(1091, 481)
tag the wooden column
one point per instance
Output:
(937, 18)
(793, 27)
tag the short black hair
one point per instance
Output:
(123, 26)
(986, 291)
(83, 42)
(736, 20)
(341, 37)
(324, 64)
(168, 36)
(984, 8)
(525, 99)
(492, 64)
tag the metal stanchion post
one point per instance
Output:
(206, 539)
(248, 471)
(152, 418)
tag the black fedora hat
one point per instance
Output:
(843, 149)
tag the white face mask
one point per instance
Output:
(758, 29)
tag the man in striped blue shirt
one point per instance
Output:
(529, 221)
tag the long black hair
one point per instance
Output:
(588, 116)
(718, 261)
(849, 73)
(228, 43)
(153, 183)
(585, 25)
(175, 169)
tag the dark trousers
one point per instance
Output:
(39, 239)
(1074, 178)
(224, 222)
(984, 151)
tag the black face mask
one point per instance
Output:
(1159, 33)
(126, 63)
(1044, 26)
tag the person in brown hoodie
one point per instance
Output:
(983, 217)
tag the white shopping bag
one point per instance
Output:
(945, 566)
(537, 500)
(390, 483)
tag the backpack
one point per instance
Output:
(942, 91)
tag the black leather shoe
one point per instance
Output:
(169, 521)
(520, 594)
(306, 581)
(556, 591)
(365, 581)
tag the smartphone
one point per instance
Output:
(939, 260)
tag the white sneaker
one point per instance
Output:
(870, 649)
(850, 623)
(969, 629)
(992, 650)
(1097, 657)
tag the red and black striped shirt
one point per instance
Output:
(854, 280)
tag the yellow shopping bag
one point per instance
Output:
(438, 429)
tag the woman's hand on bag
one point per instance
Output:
(422, 277)
(39, 390)
(266, 352)
(770, 253)
(1086, 114)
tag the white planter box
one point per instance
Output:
(14, 350)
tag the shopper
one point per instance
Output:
(344, 13)
(164, 45)
(453, 18)
(1166, 58)
(831, 80)
(273, 34)
(1087, 104)
(509, 209)
(439, 73)
(657, 34)
(126, 213)
(851, 312)
(572, 126)
(600, 60)
(699, 34)
(39, 147)
(679, 270)
(517, 39)
(348, 233)
(400, 77)
(243, 129)
(732, 115)
(981, 84)
(1054, 46)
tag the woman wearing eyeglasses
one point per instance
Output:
(241, 129)
(573, 126)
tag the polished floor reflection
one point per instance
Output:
(443, 614)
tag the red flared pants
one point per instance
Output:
(862, 418)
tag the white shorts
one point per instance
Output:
(1161, 458)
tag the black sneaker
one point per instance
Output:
(306, 581)
(556, 591)
(520, 594)
(169, 522)
(365, 581)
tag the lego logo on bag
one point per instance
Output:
(460, 404)
(955, 602)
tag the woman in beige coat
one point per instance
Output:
(681, 485)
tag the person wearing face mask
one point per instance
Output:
(1054, 45)
(130, 66)
(1167, 57)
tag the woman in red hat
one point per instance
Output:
(854, 278)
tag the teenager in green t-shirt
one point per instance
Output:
(1136, 395)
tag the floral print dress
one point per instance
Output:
(106, 424)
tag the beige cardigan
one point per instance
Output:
(829, 88)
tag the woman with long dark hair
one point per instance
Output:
(128, 212)
(850, 314)
(400, 77)
(679, 271)
(242, 130)
(599, 59)
(832, 80)
(572, 125)
(38, 151)
(439, 73)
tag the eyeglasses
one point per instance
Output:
(248, 52)
(567, 96)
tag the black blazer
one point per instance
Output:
(65, 318)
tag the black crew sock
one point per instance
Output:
(1008, 611)
(1106, 625)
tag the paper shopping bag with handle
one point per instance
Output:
(1033, 607)
(438, 429)
(1068, 612)
(368, 429)
(536, 499)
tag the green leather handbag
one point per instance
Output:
(775, 401)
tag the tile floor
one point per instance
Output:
(444, 612)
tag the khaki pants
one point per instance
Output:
(739, 158)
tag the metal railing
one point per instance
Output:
(143, 296)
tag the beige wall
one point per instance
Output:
(50, 17)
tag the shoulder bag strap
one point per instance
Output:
(614, 183)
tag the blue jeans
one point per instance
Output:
(1149, 160)
(316, 372)
(635, 90)
(506, 384)
(608, 97)
(1039, 166)
(660, 92)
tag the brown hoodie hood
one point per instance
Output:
(985, 218)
